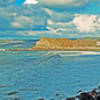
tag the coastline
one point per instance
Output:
(61, 44)
(64, 44)
(46, 49)
(37, 48)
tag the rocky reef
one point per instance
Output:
(66, 44)
(91, 95)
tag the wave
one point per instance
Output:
(71, 53)
(2, 49)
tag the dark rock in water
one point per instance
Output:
(16, 99)
(12, 93)
(85, 96)
(80, 91)
(52, 99)
(94, 93)
(57, 94)
(99, 87)
(97, 97)
(71, 98)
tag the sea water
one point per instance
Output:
(36, 74)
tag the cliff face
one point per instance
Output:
(63, 43)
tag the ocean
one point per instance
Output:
(30, 75)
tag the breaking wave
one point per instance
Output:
(2, 49)
(71, 53)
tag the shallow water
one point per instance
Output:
(30, 75)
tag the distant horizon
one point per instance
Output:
(38, 37)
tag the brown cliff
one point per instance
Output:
(65, 44)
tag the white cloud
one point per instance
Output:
(58, 2)
(23, 21)
(57, 22)
(81, 25)
(31, 2)
(87, 23)
(67, 3)
(16, 24)
(61, 28)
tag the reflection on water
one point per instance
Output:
(29, 75)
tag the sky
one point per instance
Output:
(50, 18)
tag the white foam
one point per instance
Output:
(71, 53)
(2, 50)
(91, 52)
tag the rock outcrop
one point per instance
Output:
(64, 44)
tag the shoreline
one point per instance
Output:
(42, 49)
(61, 44)
(64, 49)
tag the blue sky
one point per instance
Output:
(52, 18)
(19, 2)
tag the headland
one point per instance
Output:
(65, 44)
